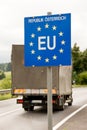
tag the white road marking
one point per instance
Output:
(68, 117)
(59, 124)
(6, 113)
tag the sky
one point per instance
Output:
(12, 13)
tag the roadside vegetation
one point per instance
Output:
(79, 62)
(5, 83)
(5, 96)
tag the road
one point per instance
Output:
(13, 117)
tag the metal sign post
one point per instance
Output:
(49, 96)
(49, 103)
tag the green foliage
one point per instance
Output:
(2, 75)
(79, 62)
(8, 67)
(84, 60)
(77, 59)
(6, 83)
(8, 75)
(74, 77)
(5, 96)
(82, 78)
(5, 67)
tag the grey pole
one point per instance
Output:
(49, 103)
(49, 96)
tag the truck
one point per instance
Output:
(31, 83)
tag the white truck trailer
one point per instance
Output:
(31, 83)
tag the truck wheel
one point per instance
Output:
(70, 104)
(31, 108)
(26, 109)
(61, 107)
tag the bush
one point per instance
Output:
(6, 83)
(2, 75)
(82, 78)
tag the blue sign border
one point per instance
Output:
(40, 33)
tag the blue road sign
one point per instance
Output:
(47, 40)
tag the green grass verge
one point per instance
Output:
(78, 86)
(6, 82)
(8, 74)
(1, 83)
(5, 96)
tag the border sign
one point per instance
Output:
(47, 40)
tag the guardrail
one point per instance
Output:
(5, 91)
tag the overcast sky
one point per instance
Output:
(12, 13)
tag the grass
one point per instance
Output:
(5, 96)
(78, 86)
(8, 75)
(6, 82)
(1, 83)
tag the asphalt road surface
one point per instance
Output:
(13, 117)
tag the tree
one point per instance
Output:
(2, 75)
(5, 67)
(82, 78)
(8, 67)
(77, 59)
(84, 60)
